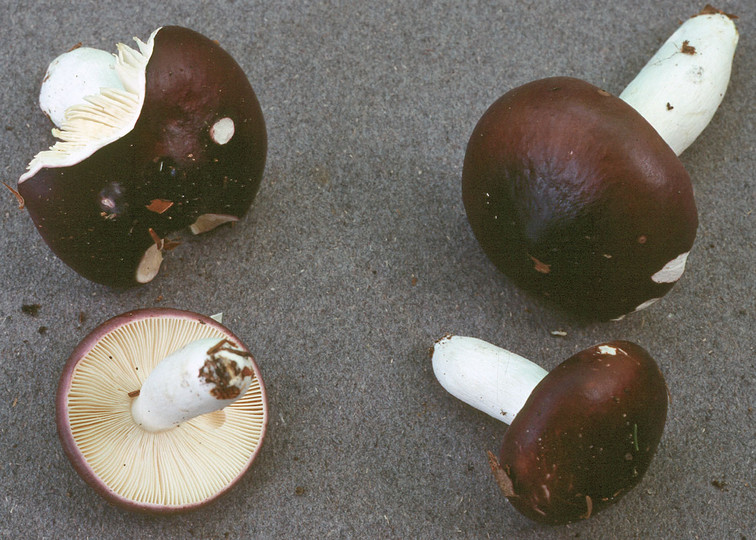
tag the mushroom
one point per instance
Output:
(579, 199)
(161, 410)
(152, 140)
(580, 436)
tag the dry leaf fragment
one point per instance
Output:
(687, 48)
(159, 205)
(18, 196)
(163, 244)
(541, 267)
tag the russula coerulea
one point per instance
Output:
(152, 140)
(578, 196)
(161, 410)
(580, 436)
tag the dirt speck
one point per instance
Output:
(721, 485)
(31, 309)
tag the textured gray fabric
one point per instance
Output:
(357, 255)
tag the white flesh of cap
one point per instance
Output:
(679, 89)
(95, 120)
(207, 222)
(493, 380)
(149, 265)
(672, 271)
(222, 131)
(72, 77)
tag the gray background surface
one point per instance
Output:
(357, 255)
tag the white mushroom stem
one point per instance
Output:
(680, 88)
(204, 376)
(493, 380)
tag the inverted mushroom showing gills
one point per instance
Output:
(580, 436)
(578, 196)
(152, 140)
(161, 410)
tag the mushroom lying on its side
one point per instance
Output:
(161, 410)
(580, 436)
(578, 196)
(159, 138)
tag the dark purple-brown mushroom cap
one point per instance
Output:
(577, 199)
(194, 157)
(585, 436)
(155, 472)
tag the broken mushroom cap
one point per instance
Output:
(585, 436)
(161, 410)
(180, 142)
(577, 199)
(580, 436)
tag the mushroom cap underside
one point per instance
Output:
(577, 199)
(165, 472)
(586, 434)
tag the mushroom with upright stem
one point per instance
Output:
(579, 437)
(161, 410)
(578, 196)
(155, 139)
